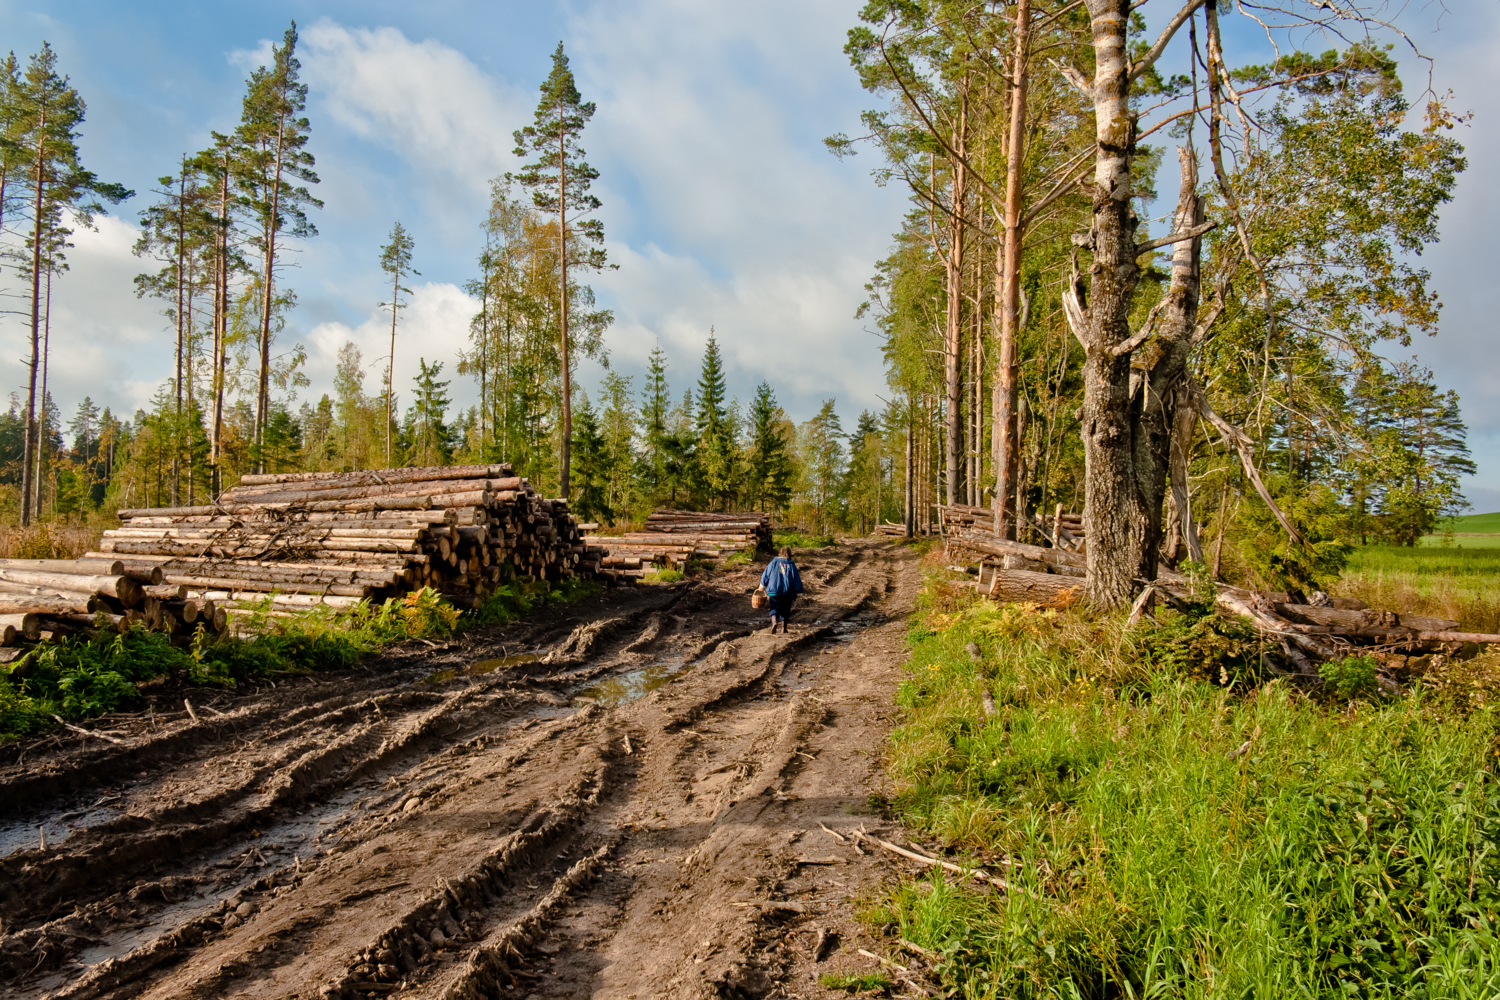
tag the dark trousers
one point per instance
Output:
(781, 605)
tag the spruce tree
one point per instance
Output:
(656, 406)
(395, 261)
(428, 436)
(46, 114)
(718, 450)
(559, 180)
(593, 460)
(768, 472)
(273, 137)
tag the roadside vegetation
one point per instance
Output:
(78, 678)
(1173, 822)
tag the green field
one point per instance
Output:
(1462, 584)
(1471, 531)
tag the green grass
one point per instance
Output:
(1351, 849)
(793, 540)
(1458, 584)
(79, 678)
(869, 982)
(1484, 524)
(667, 575)
(1459, 541)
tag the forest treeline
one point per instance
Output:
(1223, 392)
(217, 235)
(1229, 392)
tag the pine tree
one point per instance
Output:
(559, 180)
(395, 260)
(274, 139)
(768, 471)
(718, 449)
(47, 114)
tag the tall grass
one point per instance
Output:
(48, 541)
(1172, 829)
(1455, 583)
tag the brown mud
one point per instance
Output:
(623, 798)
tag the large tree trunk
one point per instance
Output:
(953, 332)
(28, 452)
(1115, 518)
(565, 465)
(1008, 281)
(263, 398)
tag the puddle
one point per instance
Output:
(482, 667)
(629, 686)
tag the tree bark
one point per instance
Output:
(1157, 390)
(565, 465)
(1115, 517)
(1008, 280)
(953, 332)
(29, 449)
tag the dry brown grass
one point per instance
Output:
(48, 541)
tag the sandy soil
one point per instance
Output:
(625, 798)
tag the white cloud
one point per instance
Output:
(105, 342)
(434, 326)
(423, 100)
(707, 136)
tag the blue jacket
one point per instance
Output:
(781, 577)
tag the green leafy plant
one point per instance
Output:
(1350, 678)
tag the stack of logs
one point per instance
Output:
(890, 528)
(336, 538)
(963, 519)
(41, 599)
(672, 537)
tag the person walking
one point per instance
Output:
(782, 583)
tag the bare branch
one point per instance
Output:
(1156, 50)
(1162, 241)
(1245, 448)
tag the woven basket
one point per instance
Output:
(759, 598)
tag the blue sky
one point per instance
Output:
(721, 205)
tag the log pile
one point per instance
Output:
(964, 519)
(336, 538)
(42, 599)
(672, 537)
(890, 528)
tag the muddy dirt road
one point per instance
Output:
(621, 799)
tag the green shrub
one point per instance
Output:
(1349, 678)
